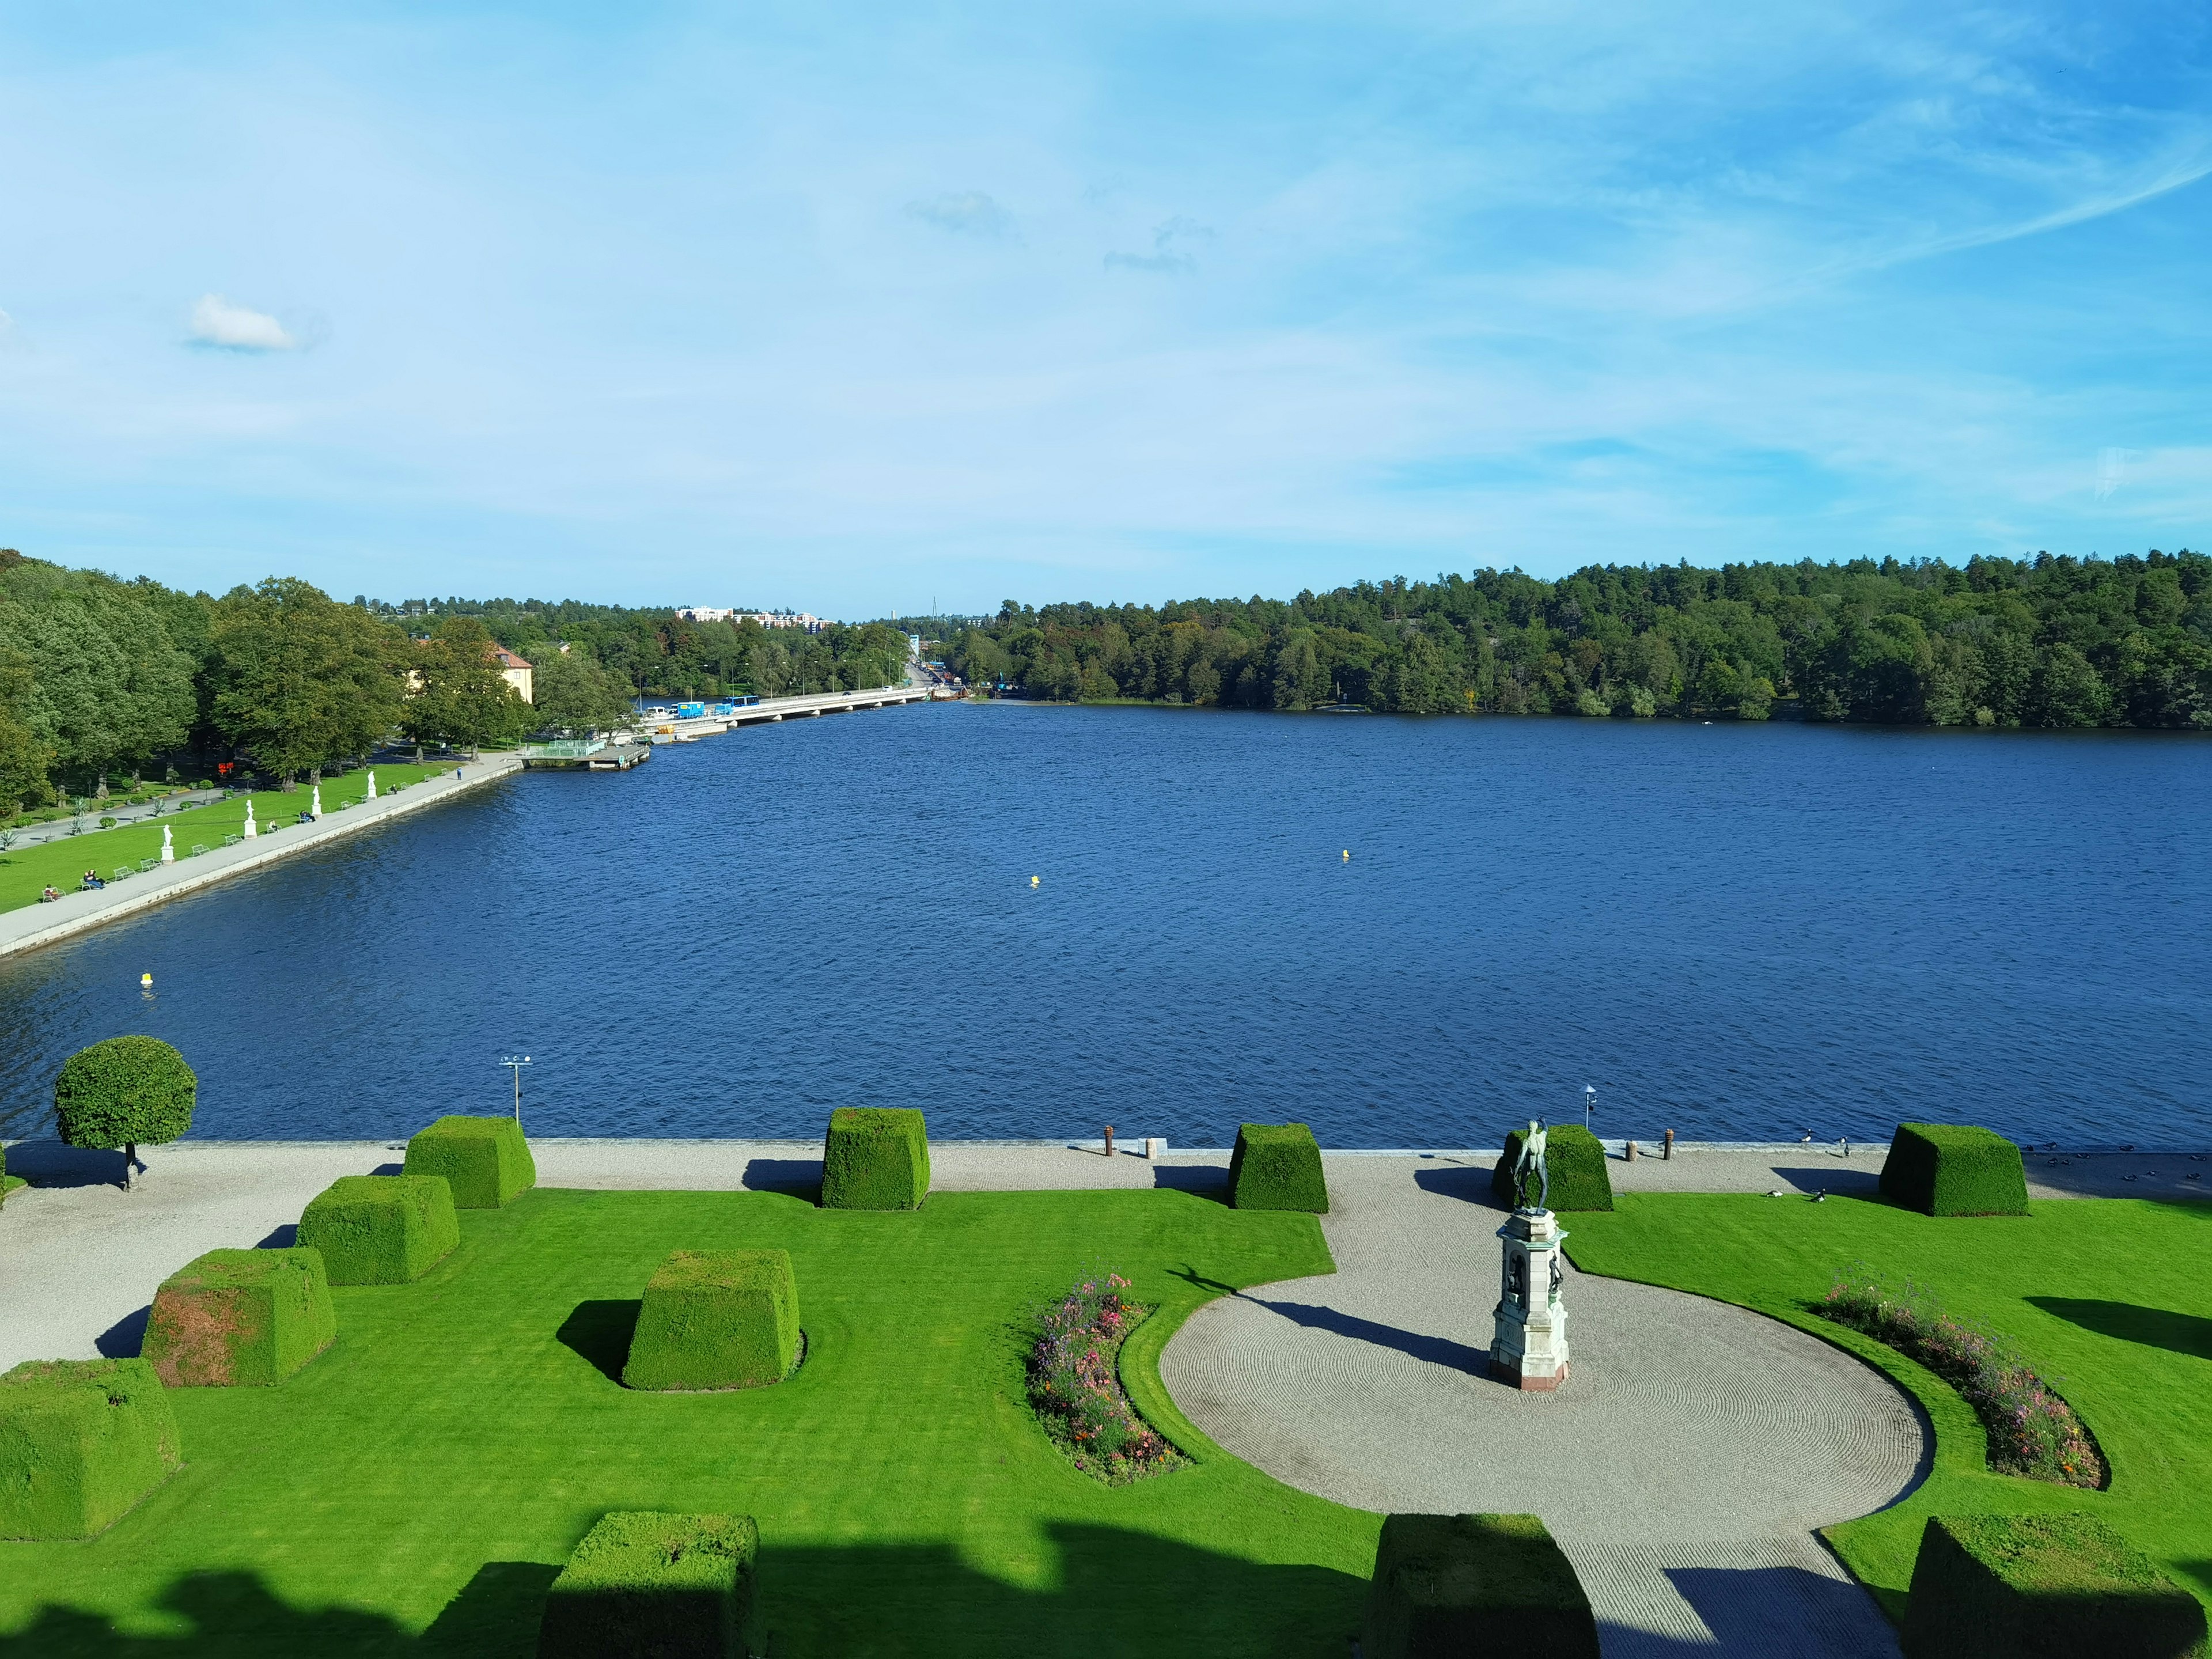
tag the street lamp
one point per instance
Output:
(1590, 1099)
(515, 1064)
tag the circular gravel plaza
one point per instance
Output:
(1683, 1467)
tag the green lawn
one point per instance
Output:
(2111, 1299)
(415, 1487)
(27, 870)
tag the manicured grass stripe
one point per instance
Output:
(2111, 1299)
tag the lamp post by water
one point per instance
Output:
(514, 1063)
(1590, 1099)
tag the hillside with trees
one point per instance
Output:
(2048, 641)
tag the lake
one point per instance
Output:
(1735, 932)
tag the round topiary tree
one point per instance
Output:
(122, 1093)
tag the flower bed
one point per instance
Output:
(1076, 1392)
(2032, 1431)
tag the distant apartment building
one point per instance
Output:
(515, 671)
(798, 619)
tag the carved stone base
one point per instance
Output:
(1519, 1375)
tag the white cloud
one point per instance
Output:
(968, 213)
(217, 322)
(1166, 258)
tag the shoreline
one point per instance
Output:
(33, 926)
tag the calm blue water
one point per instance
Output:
(1730, 930)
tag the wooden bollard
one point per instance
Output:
(1666, 1148)
(1110, 1140)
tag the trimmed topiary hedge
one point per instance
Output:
(1277, 1166)
(1953, 1169)
(716, 1319)
(81, 1441)
(240, 1317)
(1451, 1585)
(2028, 1586)
(382, 1229)
(7, 1183)
(875, 1157)
(646, 1585)
(1575, 1159)
(485, 1159)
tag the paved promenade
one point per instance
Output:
(35, 925)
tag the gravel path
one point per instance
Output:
(1683, 1467)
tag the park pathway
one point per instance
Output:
(1683, 1468)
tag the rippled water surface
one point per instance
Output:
(1730, 931)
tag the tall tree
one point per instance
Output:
(301, 680)
(572, 692)
(461, 698)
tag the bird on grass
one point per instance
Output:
(1820, 1197)
(1779, 1192)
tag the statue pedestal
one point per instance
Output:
(1529, 1348)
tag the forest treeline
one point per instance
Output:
(659, 653)
(2047, 641)
(103, 679)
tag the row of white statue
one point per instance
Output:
(252, 830)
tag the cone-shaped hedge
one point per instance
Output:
(716, 1319)
(81, 1441)
(2042, 1587)
(485, 1160)
(648, 1585)
(382, 1229)
(240, 1317)
(1953, 1169)
(1451, 1585)
(1576, 1161)
(875, 1157)
(1277, 1166)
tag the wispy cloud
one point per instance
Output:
(1170, 255)
(967, 213)
(217, 322)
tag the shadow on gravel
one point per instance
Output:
(1435, 1350)
(1841, 1180)
(917, 1599)
(1767, 1610)
(801, 1177)
(2153, 1328)
(599, 1334)
(1204, 1180)
(1468, 1181)
(57, 1163)
(124, 1338)
(281, 1239)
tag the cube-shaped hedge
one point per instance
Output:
(648, 1585)
(485, 1160)
(1574, 1159)
(2027, 1586)
(1277, 1166)
(716, 1319)
(1446, 1585)
(382, 1229)
(1953, 1169)
(81, 1441)
(240, 1317)
(875, 1157)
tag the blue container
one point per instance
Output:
(690, 711)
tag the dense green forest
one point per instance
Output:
(659, 653)
(2048, 641)
(105, 680)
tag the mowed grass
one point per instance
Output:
(2109, 1299)
(415, 1489)
(26, 871)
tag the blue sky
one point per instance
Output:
(850, 309)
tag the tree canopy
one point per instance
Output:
(301, 680)
(2045, 641)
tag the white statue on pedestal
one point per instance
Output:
(1529, 1344)
(315, 806)
(371, 795)
(168, 852)
(252, 830)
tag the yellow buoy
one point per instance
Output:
(1347, 855)
(1033, 881)
(146, 980)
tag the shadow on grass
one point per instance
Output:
(599, 1332)
(2153, 1328)
(818, 1603)
(801, 1177)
